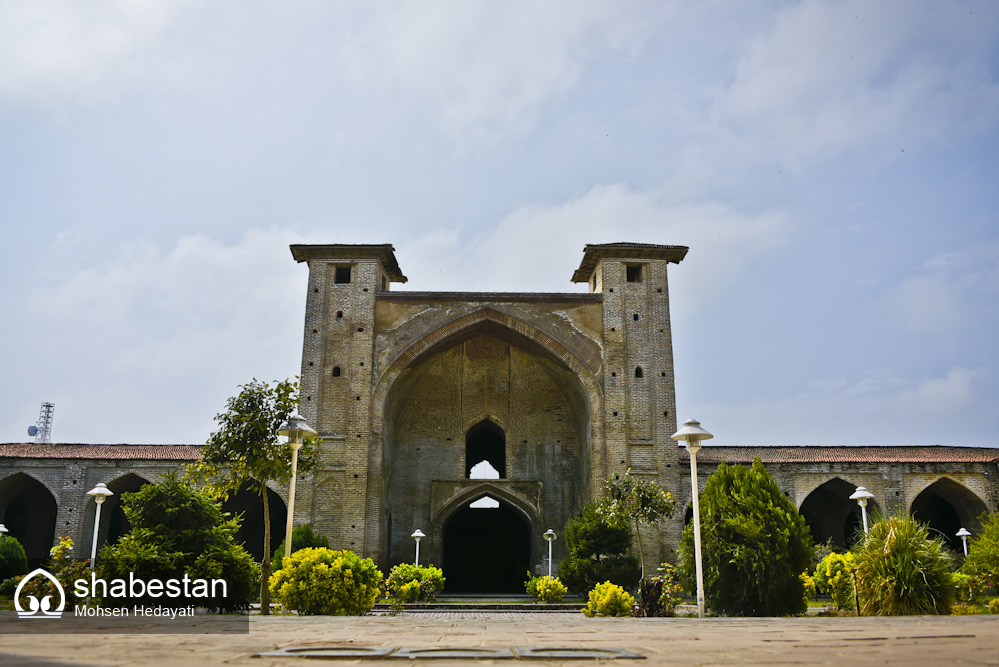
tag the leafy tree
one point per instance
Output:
(900, 571)
(834, 575)
(754, 544)
(64, 568)
(246, 450)
(982, 562)
(302, 537)
(13, 561)
(636, 502)
(597, 549)
(177, 530)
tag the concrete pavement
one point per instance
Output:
(921, 640)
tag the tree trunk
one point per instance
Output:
(265, 567)
(641, 551)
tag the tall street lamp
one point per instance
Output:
(99, 492)
(963, 534)
(3, 529)
(417, 534)
(294, 429)
(862, 495)
(692, 434)
(550, 537)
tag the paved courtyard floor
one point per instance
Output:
(918, 640)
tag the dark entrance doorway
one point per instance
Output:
(486, 550)
(485, 442)
(947, 507)
(251, 531)
(831, 515)
(28, 510)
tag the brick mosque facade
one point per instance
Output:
(414, 394)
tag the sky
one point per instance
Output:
(832, 166)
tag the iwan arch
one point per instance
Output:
(556, 391)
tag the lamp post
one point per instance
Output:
(691, 434)
(964, 534)
(99, 492)
(417, 534)
(550, 537)
(294, 429)
(862, 495)
(3, 529)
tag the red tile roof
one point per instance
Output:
(852, 454)
(32, 450)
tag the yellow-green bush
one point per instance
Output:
(550, 591)
(413, 583)
(808, 584)
(608, 599)
(833, 576)
(994, 606)
(319, 581)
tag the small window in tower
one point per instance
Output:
(638, 371)
(634, 273)
(342, 275)
(635, 317)
(336, 371)
(339, 314)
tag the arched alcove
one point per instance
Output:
(486, 549)
(114, 523)
(28, 510)
(948, 506)
(831, 515)
(485, 442)
(251, 530)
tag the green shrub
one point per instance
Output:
(982, 562)
(833, 576)
(550, 591)
(65, 569)
(410, 583)
(994, 606)
(13, 561)
(608, 599)
(808, 586)
(900, 571)
(754, 545)
(669, 595)
(531, 585)
(967, 589)
(319, 581)
(597, 548)
(177, 530)
(302, 537)
(9, 586)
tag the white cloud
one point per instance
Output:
(56, 50)
(149, 343)
(536, 248)
(485, 69)
(834, 77)
(948, 291)
(879, 409)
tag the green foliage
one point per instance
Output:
(549, 591)
(8, 587)
(319, 581)
(982, 562)
(833, 576)
(531, 585)
(65, 569)
(636, 502)
(808, 587)
(246, 450)
(302, 537)
(595, 545)
(670, 589)
(967, 588)
(581, 574)
(900, 571)
(13, 561)
(994, 606)
(175, 531)
(408, 583)
(608, 599)
(754, 545)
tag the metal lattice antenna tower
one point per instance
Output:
(45, 423)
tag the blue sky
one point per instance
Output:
(832, 166)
